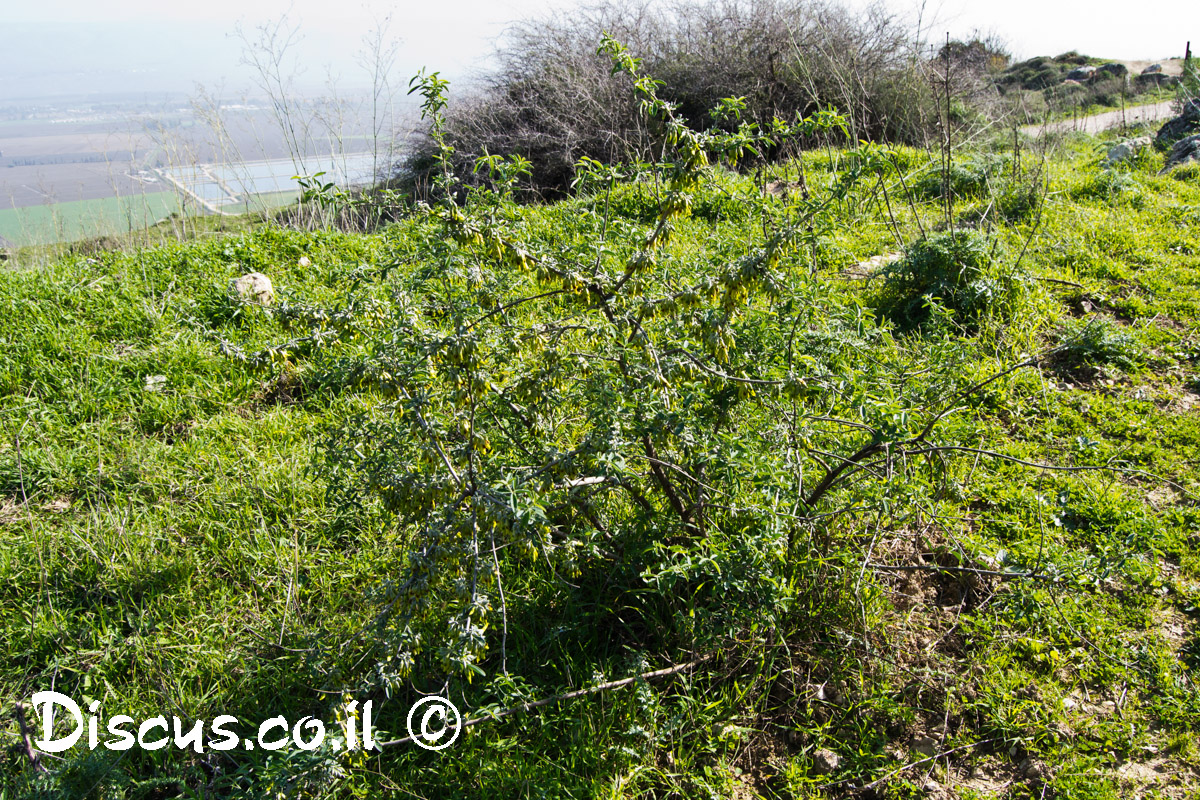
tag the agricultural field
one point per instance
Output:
(72, 156)
(47, 184)
(85, 219)
(95, 172)
(217, 186)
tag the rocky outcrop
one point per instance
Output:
(1185, 151)
(1123, 151)
(1081, 74)
(1149, 80)
(1180, 127)
(1113, 70)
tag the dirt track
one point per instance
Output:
(1155, 112)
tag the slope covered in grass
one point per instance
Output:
(937, 518)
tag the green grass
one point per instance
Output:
(189, 550)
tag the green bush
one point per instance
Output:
(958, 271)
(987, 182)
(1099, 342)
(1107, 185)
(645, 341)
(637, 201)
(1017, 199)
(972, 177)
(1034, 74)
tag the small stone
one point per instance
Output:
(934, 790)
(926, 746)
(825, 761)
(254, 287)
(1035, 771)
(155, 383)
(1162, 497)
(304, 262)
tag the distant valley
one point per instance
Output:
(81, 166)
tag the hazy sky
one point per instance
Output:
(1049, 27)
(199, 41)
(161, 45)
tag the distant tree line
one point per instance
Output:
(56, 158)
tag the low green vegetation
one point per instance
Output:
(928, 518)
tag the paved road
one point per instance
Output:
(1155, 112)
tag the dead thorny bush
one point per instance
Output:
(553, 100)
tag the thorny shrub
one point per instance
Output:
(655, 429)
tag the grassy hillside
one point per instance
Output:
(933, 514)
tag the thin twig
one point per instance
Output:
(893, 773)
(503, 609)
(34, 756)
(1064, 283)
(575, 695)
(719, 374)
(507, 306)
(965, 570)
